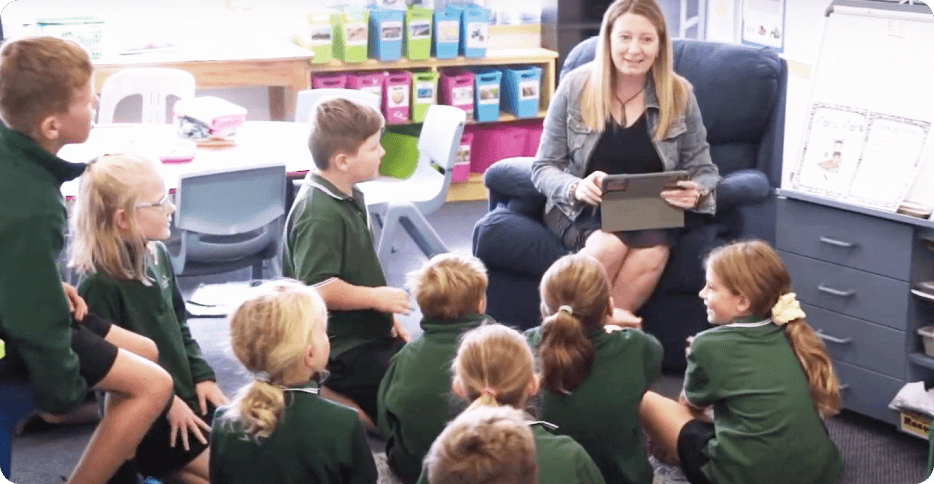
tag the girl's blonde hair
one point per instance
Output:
(269, 333)
(671, 89)
(494, 365)
(110, 183)
(753, 269)
(565, 351)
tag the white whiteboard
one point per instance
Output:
(875, 69)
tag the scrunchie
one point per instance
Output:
(786, 309)
(567, 309)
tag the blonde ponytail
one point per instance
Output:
(812, 354)
(494, 366)
(565, 352)
(259, 407)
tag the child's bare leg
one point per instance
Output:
(130, 341)
(139, 391)
(663, 418)
(337, 397)
(196, 472)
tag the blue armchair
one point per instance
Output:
(741, 93)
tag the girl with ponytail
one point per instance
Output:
(594, 375)
(277, 428)
(766, 375)
(494, 366)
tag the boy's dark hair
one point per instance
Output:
(449, 286)
(340, 126)
(38, 78)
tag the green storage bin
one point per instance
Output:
(318, 37)
(350, 35)
(417, 45)
(401, 145)
(424, 94)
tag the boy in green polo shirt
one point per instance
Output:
(413, 397)
(46, 102)
(328, 245)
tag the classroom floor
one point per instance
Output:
(873, 452)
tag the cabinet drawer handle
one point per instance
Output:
(836, 292)
(843, 387)
(837, 243)
(830, 339)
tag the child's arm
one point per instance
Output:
(341, 296)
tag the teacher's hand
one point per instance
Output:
(590, 189)
(685, 196)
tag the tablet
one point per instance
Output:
(633, 202)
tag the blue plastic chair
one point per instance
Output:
(16, 403)
(228, 220)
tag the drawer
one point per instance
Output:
(859, 342)
(846, 238)
(855, 293)
(867, 392)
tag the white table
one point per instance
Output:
(257, 143)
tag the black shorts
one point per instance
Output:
(692, 440)
(96, 356)
(154, 457)
(356, 373)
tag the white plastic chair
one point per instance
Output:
(229, 219)
(157, 86)
(307, 99)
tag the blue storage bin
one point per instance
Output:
(385, 39)
(447, 34)
(521, 90)
(487, 93)
(475, 28)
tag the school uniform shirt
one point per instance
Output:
(315, 441)
(767, 429)
(560, 459)
(34, 317)
(414, 397)
(601, 414)
(156, 311)
(328, 236)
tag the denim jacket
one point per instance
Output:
(567, 144)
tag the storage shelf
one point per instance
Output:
(493, 57)
(921, 359)
(468, 191)
(503, 118)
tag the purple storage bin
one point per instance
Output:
(456, 89)
(396, 91)
(367, 81)
(461, 170)
(336, 80)
(494, 143)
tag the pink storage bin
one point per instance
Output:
(494, 143)
(336, 80)
(396, 91)
(461, 170)
(367, 81)
(456, 89)
(534, 132)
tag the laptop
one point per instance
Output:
(633, 202)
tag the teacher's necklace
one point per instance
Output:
(622, 104)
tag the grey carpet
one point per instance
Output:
(873, 452)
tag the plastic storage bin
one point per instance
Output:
(456, 89)
(424, 93)
(927, 335)
(521, 90)
(461, 170)
(486, 94)
(324, 80)
(475, 28)
(494, 143)
(447, 34)
(417, 33)
(401, 145)
(317, 37)
(396, 90)
(350, 35)
(385, 35)
(369, 82)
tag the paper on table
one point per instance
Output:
(217, 299)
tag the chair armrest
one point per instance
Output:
(742, 187)
(510, 184)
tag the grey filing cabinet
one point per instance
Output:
(854, 269)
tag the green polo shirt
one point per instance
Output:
(767, 429)
(602, 413)
(156, 311)
(314, 441)
(34, 317)
(328, 236)
(414, 396)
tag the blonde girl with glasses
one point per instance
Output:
(121, 217)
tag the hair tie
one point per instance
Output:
(262, 376)
(567, 309)
(489, 391)
(786, 310)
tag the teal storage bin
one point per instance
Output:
(350, 35)
(417, 33)
(522, 90)
(385, 35)
(475, 29)
(447, 34)
(487, 89)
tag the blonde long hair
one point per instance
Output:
(670, 88)
(108, 184)
(752, 268)
(494, 366)
(269, 333)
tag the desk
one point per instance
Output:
(258, 143)
(282, 68)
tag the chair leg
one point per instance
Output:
(410, 219)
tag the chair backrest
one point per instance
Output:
(438, 143)
(309, 98)
(158, 89)
(231, 213)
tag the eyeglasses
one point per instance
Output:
(163, 203)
